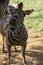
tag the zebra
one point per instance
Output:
(3, 8)
(16, 33)
(3, 16)
(12, 10)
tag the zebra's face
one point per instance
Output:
(14, 24)
(18, 17)
(3, 7)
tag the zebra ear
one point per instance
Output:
(28, 12)
(20, 5)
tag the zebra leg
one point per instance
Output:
(23, 53)
(9, 54)
(3, 44)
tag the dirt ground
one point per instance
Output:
(34, 51)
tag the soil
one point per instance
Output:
(34, 51)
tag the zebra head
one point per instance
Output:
(3, 7)
(19, 11)
(18, 16)
(15, 23)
